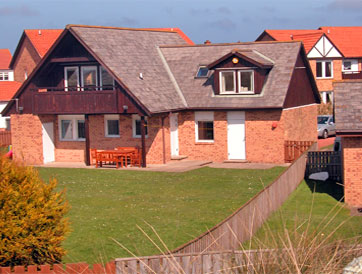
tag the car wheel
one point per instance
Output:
(325, 134)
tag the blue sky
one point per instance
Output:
(214, 20)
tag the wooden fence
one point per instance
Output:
(325, 161)
(5, 138)
(75, 268)
(241, 225)
(237, 261)
(293, 149)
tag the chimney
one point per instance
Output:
(207, 42)
(39, 32)
(328, 31)
(291, 36)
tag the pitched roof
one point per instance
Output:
(42, 39)
(8, 89)
(5, 58)
(348, 106)
(347, 39)
(179, 31)
(184, 62)
(130, 52)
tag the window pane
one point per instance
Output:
(81, 129)
(67, 131)
(319, 69)
(347, 65)
(107, 79)
(72, 77)
(89, 76)
(202, 72)
(227, 81)
(7, 121)
(138, 128)
(246, 81)
(205, 130)
(328, 68)
(113, 127)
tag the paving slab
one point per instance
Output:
(245, 165)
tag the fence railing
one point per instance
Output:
(243, 223)
(325, 161)
(293, 149)
(5, 138)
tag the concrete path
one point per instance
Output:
(245, 165)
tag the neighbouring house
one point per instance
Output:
(8, 86)
(334, 53)
(103, 87)
(348, 114)
(33, 45)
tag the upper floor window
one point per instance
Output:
(107, 81)
(4, 76)
(243, 84)
(202, 72)
(350, 65)
(71, 78)
(324, 69)
(89, 77)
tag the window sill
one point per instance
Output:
(198, 142)
(72, 140)
(113, 136)
(139, 136)
(326, 78)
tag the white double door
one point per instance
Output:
(48, 143)
(236, 135)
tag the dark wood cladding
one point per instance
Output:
(300, 90)
(351, 76)
(81, 102)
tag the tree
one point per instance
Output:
(32, 223)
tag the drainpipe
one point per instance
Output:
(143, 141)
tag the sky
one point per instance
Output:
(220, 21)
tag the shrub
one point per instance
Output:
(324, 109)
(32, 223)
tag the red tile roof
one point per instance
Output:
(43, 39)
(346, 39)
(5, 58)
(8, 89)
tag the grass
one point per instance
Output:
(109, 204)
(316, 207)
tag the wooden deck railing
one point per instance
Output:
(293, 149)
(5, 138)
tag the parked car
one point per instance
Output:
(326, 126)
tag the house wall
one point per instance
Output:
(352, 155)
(26, 60)
(326, 84)
(300, 124)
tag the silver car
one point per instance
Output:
(326, 126)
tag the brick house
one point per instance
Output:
(334, 53)
(8, 86)
(348, 113)
(102, 87)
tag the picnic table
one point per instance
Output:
(120, 156)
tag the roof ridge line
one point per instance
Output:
(122, 28)
(172, 77)
(231, 44)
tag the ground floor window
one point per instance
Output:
(111, 123)
(136, 126)
(204, 126)
(71, 127)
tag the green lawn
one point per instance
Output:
(323, 207)
(108, 204)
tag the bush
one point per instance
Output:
(32, 223)
(324, 109)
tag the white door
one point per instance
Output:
(174, 134)
(48, 143)
(236, 135)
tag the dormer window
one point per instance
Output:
(202, 72)
(246, 81)
(243, 84)
(227, 81)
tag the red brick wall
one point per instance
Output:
(26, 60)
(216, 151)
(27, 137)
(326, 84)
(300, 124)
(352, 161)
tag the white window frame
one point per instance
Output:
(324, 69)
(221, 82)
(66, 77)
(74, 124)
(354, 65)
(101, 70)
(252, 91)
(111, 117)
(203, 116)
(136, 117)
(82, 68)
(3, 74)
